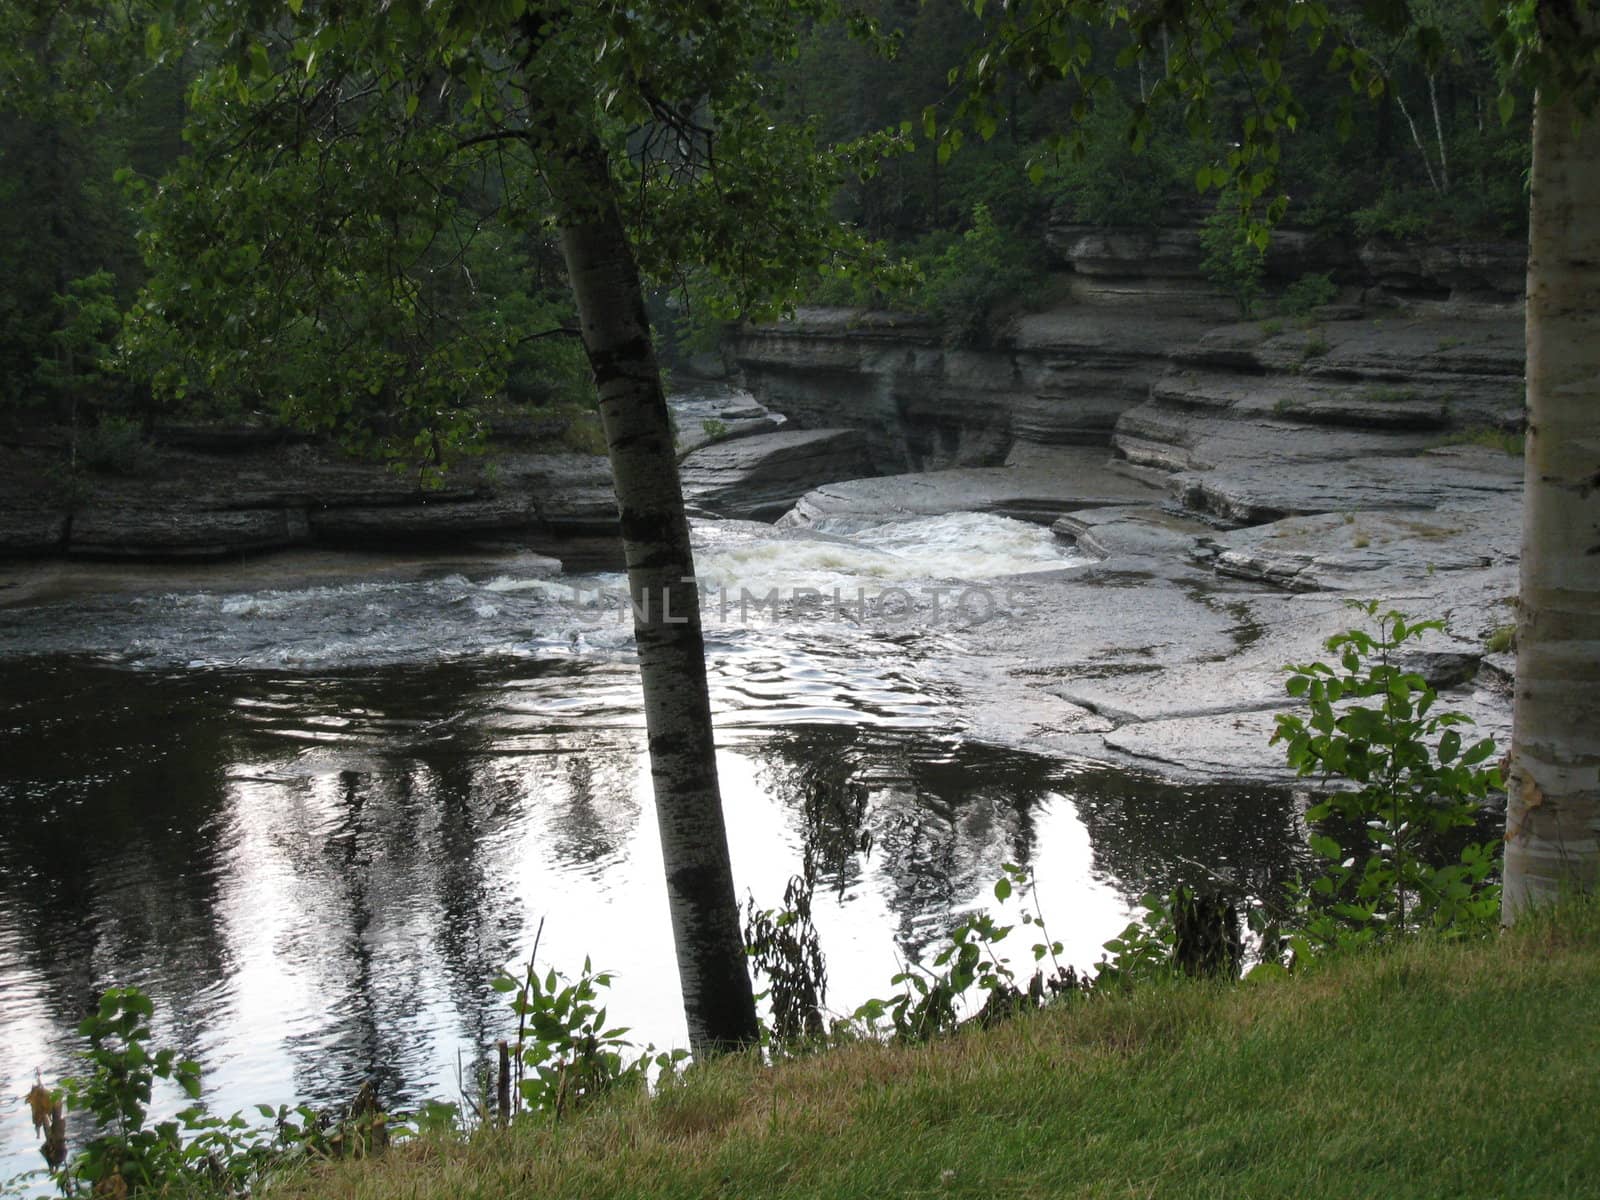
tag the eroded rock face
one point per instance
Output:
(210, 492)
(1259, 396)
(127, 531)
(1060, 378)
(1112, 265)
(246, 495)
(1492, 271)
(762, 475)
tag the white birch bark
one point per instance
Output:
(706, 929)
(1553, 813)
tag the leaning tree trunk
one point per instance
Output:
(712, 969)
(1553, 812)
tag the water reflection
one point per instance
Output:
(316, 877)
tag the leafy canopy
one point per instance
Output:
(355, 173)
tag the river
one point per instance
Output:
(312, 806)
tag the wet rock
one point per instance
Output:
(762, 476)
(1132, 530)
(1067, 478)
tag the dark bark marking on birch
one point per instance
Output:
(640, 525)
(651, 443)
(620, 361)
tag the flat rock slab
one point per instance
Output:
(1180, 671)
(1267, 489)
(1182, 439)
(1132, 530)
(1238, 745)
(1077, 477)
(1370, 551)
(763, 475)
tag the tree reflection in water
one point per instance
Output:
(316, 877)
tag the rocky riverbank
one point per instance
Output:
(1236, 482)
(1258, 475)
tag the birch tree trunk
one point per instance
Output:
(1553, 810)
(712, 969)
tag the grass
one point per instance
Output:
(1426, 1069)
(1501, 640)
(1506, 441)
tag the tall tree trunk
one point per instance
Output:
(712, 968)
(1553, 813)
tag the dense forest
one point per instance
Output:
(104, 225)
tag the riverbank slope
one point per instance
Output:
(1427, 1069)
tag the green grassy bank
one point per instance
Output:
(1424, 1070)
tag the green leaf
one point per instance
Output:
(1326, 846)
(1002, 889)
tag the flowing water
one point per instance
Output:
(313, 817)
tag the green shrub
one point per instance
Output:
(567, 1052)
(1397, 213)
(1308, 293)
(1391, 838)
(116, 446)
(1230, 260)
(1116, 184)
(928, 1002)
(972, 276)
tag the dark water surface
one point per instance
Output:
(316, 861)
